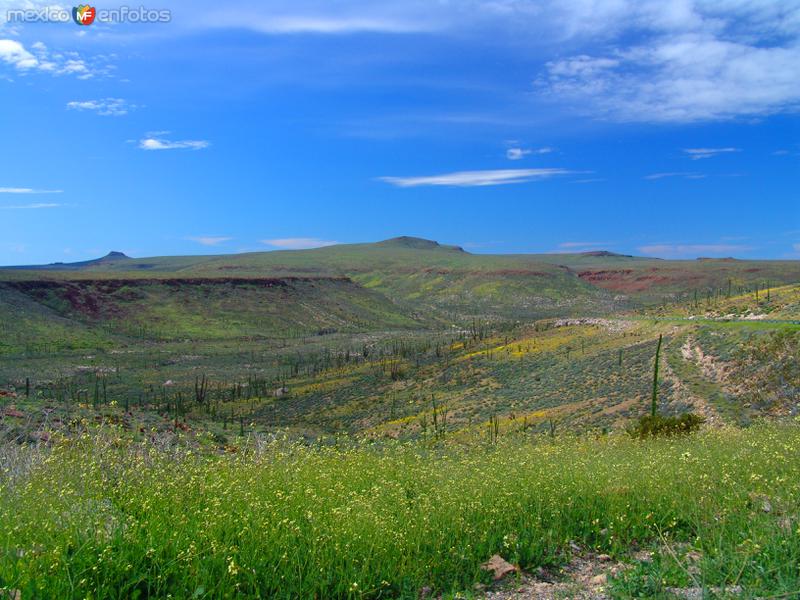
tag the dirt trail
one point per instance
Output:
(691, 352)
(709, 365)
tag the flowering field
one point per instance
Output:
(104, 517)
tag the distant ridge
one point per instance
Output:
(111, 257)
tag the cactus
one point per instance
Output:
(654, 401)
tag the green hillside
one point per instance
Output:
(200, 308)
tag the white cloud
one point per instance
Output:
(40, 58)
(698, 153)
(692, 250)
(518, 153)
(14, 53)
(31, 206)
(158, 143)
(209, 240)
(17, 190)
(476, 178)
(299, 243)
(107, 106)
(684, 174)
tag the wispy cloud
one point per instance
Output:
(15, 247)
(22, 190)
(476, 178)
(155, 142)
(692, 250)
(479, 245)
(569, 245)
(319, 18)
(31, 206)
(301, 243)
(685, 62)
(684, 174)
(518, 153)
(114, 107)
(209, 240)
(329, 25)
(698, 153)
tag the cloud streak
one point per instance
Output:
(692, 250)
(683, 174)
(296, 24)
(19, 190)
(158, 143)
(699, 153)
(476, 178)
(33, 206)
(300, 243)
(571, 245)
(209, 240)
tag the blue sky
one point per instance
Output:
(658, 128)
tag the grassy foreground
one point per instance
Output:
(102, 517)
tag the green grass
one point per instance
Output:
(105, 517)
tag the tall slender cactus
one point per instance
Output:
(654, 401)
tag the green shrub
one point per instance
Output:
(660, 425)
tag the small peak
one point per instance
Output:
(410, 242)
(112, 256)
(407, 241)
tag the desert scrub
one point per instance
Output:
(107, 518)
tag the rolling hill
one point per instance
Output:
(193, 308)
(424, 277)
